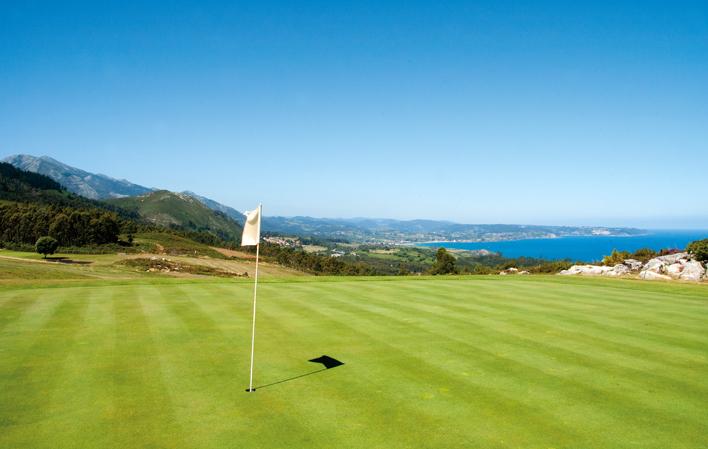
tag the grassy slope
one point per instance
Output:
(169, 208)
(532, 362)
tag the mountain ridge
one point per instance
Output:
(358, 229)
(98, 186)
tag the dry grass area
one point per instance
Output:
(314, 248)
(16, 266)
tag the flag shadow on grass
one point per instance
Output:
(327, 361)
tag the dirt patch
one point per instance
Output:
(165, 265)
(233, 253)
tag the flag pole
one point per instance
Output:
(255, 293)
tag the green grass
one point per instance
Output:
(483, 362)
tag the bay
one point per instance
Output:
(580, 248)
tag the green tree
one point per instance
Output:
(46, 245)
(444, 263)
(699, 249)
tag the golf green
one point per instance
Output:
(483, 362)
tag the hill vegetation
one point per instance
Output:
(183, 212)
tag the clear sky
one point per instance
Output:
(481, 112)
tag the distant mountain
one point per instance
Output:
(178, 210)
(96, 186)
(397, 231)
(20, 186)
(80, 182)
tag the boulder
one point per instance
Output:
(652, 275)
(672, 258)
(618, 270)
(633, 264)
(655, 265)
(674, 270)
(586, 270)
(692, 271)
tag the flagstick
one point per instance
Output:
(255, 292)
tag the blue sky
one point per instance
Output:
(479, 112)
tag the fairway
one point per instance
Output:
(481, 362)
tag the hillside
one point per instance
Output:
(177, 210)
(216, 206)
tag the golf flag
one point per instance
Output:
(252, 236)
(252, 228)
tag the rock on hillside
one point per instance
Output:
(673, 266)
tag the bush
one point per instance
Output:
(46, 245)
(615, 258)
(644, 254)
(699, 249)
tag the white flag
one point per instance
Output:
(252, 228)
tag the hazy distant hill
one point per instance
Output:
(179, 210)
(372, 229)
(89, 185)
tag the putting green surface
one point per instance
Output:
(533, 362)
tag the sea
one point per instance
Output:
(580, 248)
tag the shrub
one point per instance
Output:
(615, 257)
(46, 245)
(644, 254)
(699, 249)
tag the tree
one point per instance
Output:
(699, 249)
(444, 263)
(46, 245)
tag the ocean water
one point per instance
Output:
(587, 248)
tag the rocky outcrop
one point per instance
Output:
(633, 264)
(673, 266)
(651, 275)
(597, 270)
(692, 271)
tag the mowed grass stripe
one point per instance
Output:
(212, 366)
(472, 362)
(416, 371)
(560, 310)
(591, 392)
(80, 404)
(560, 326)
(611, 313)
(290, 338)
(29, 387)
(142, 409)
(509, 336)
(633, 304)
(356, 384)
